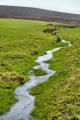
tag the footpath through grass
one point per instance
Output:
(59, 97)
(21, 42)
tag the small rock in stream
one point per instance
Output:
(59, 39)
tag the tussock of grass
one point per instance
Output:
(39, 72)
(8, 82)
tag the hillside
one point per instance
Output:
(37, 14)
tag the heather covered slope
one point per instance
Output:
(37, 14)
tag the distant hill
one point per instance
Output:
(37, 14)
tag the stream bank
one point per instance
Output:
(22, 109)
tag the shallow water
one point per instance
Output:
(21, 110)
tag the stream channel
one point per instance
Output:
(21, 110)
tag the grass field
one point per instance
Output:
(21, 42)
(59, 97)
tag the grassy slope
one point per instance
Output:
(59, 97)
(21, 42)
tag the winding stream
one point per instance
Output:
(21, 110)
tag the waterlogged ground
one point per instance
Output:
(21, 42)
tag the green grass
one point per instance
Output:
(59, 97)
(39, 72)
(21, 42)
